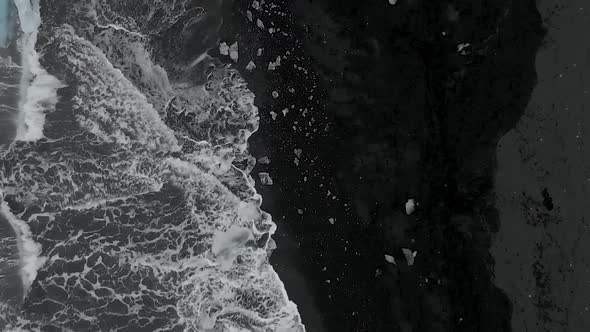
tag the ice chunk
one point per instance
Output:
(264, 160)
(260, 24)
(410, 256)
(392, 2)
(249, 15)
(265, 178)
(298, 152)
(223, 49)
(226, 245)
(410, 206)
(233, 51)
(390, 259)
(332, 221)
(251, 66)
(275, 64)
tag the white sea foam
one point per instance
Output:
(144, 211)
(38, 90)
(29, 250)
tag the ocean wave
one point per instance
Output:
(137, 204)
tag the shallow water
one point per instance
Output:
(7, 22)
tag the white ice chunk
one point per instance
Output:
(390, 259)
(410, 256)
(264, 160)
(223, 49)
(410, 206)
(251, 66)
(265, 178)
(233, 51)
(226, 245)
(260, 24)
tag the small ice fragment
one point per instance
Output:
(265, 179)
(332, 220)
(299, 211)
(233, 51)
(256, 5)
(285, 111)
(275, 64)
(251, 66)
(275, 94)
(264, 160)
(298, 152)
(259, 52)
(223, 49)
(410, 206)
(410, 256)
(462, 46)
(296, 161)
(390, 259)
(273, 115)
(392, 2)
(249, 15)
(260, 24)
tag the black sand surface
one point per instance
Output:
(385, 105)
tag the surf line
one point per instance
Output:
(38, 89)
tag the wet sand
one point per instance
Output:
(542, 251)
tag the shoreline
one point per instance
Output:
(367, 130)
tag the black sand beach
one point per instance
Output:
(387, 103)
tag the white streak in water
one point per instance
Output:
(29, 251)
(38, 89)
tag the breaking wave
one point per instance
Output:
(134, 207)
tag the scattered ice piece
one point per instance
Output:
(392, 2)
(273, 115)
(410, 206)
(299, 211)
(298, 152)
(390, 259)
(410, 256)
(249, 15)
(233, 51)
(259, 52)
(223, 49)
(264, 160)
(296, 161)
(260, 24)
(462, 48)
(250, 66)
(265, 179)
(256, 5)
(275, 94)
(332, 220)
(285, 111)
(275, 64)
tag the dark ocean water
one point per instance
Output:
(127, 189)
